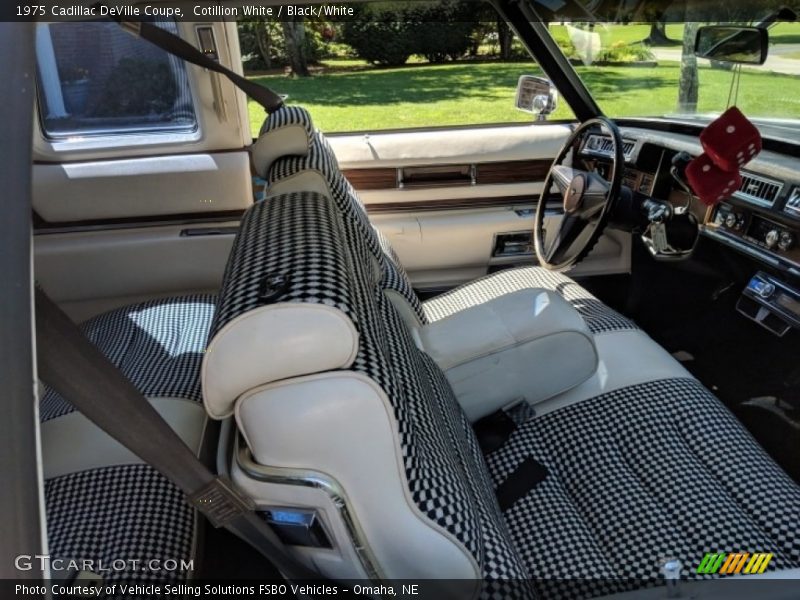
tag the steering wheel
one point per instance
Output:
(588, 199)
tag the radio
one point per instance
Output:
(754, 228)
(772, 236)
(771, 303)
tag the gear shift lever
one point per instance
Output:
(665, 222)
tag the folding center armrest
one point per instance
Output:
(527, 345)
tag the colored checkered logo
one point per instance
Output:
(724, 563)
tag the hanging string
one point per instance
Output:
(738, 80)
(733, 92)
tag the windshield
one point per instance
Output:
(650, 70)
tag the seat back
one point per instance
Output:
(324, 377)
(313, 167)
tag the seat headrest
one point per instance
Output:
(289, 131)
(271, 343)
(286, 305)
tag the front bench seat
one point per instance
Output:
(292, 155)
(102, 503)
(305, 162)
(613, 484)
(430, 507)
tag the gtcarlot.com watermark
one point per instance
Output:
(44, 562)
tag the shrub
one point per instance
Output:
(442, 30)
(383, 41)
(389, 33)
(137, 86)
(622, 52)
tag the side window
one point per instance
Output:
(96, 79)
(394, 65)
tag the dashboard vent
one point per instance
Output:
(793, 203)
(600, 144)
(759, 189)
(627, 147)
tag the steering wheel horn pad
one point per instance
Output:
(573, 196)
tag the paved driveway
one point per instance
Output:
(776, 60)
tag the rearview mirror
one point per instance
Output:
(536, 95)
(739, 45)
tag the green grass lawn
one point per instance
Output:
(360, 99)
(785, 33)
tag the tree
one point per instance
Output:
(504, 38)
(264, 42)
(689, 82)
(294, 34)
(658, 33)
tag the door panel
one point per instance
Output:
(91, 272)
(443, 196)
(113, 204)
(447, 146)
(142, 187)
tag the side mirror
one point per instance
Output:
(738, 45)
(536, 95)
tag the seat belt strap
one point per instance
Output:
(493, 430)
(177, 46)
(519, 483)
(77, 370)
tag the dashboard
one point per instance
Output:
(761, 219)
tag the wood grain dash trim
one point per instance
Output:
(513, 171)
(451, 204)
(372, 179)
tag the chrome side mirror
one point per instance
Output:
(536, 95)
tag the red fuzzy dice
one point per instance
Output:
(709, 182)
(731, 140)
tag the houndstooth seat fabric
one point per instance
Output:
(445, 474)
(115, 515)
(654, 471)
(158, 345)
(118, 514)
(320, 158)
(287, 116)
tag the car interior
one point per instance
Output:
(522, 360)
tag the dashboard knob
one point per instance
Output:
(730, 220)
(786, 240)
(772, 238)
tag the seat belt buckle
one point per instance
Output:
(220, 502)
